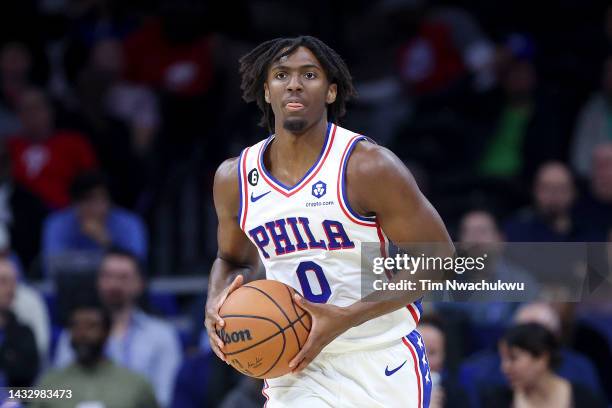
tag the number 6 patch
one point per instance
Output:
(253, 177)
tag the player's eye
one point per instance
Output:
(310, 75)
(280, 75)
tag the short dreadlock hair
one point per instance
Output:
(254, 69)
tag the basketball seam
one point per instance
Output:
(296, 312)
(279, 308)
(277, 358)
(299, 319)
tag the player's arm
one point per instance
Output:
(237, 258)
(378, 184)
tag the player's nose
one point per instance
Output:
(295, 83)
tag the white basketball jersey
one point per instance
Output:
(309, 237)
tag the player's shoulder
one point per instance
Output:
(225, 187)
(369, 160)
(227, 172)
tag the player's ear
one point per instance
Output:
(266, 93)
(332, 91)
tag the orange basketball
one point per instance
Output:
(264, 328)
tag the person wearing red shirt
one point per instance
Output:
(45, 160)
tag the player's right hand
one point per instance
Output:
(213, 321)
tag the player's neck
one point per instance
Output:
(292, 154)
(314, 133)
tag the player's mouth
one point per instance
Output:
(294, 105)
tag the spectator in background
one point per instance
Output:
(445, 391)
(20, 211)
(595, 207)
(483, 370)
(449, 45)
(121, 117)
(92, 223)
(44, 159)
(28, 305)
(552, 217)
(18, 354)
(137, 340)
(134, 104)
(174, 55)
(15, 67)
(594, 124)
(479, 234)
(529, 355)
(204, 381)
(525, 132)
(94, 380)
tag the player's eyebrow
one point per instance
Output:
(287, 68)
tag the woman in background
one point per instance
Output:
(529, 354)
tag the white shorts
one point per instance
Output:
(396, 375)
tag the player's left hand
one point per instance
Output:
(328, 322)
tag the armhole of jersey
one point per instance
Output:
(342, 196)
(388, 248)
(242, 189)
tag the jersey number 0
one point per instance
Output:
(305, 278)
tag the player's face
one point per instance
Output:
(520, 367)
(298, 90)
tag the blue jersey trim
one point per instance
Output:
(240, 186)
(419, 305)
(314, 166)
(343, 181)
(423, 364)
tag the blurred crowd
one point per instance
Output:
(114, 116)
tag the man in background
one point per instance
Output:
(45, 160)
(552, 217)
(136, 340)
(595, 207)
(18, 354)
(93, 380)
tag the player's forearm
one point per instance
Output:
(222, 274)
(371, 307)
(379, 303)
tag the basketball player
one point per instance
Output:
(302, 201)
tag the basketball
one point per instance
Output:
(264, 328)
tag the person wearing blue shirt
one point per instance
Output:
(553, 216)
(92, 223)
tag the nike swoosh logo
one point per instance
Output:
(391, 372)
(253, 199)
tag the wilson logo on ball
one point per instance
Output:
(235, 336)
